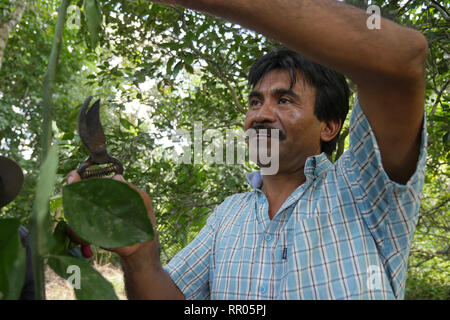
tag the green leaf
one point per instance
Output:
(42, 241)
(94, 18)
(125, 123)
(62, 240)
(91, 285)
(190, 36)
(177, 68)
(55, 202)
(68, 136)
(189, 68)
(202, 29)
(12, 260)
(41, 224)
(107, 213)
(188, 58)
(446, 138)
(169, 65)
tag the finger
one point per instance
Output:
(118, 177)
(72, 177)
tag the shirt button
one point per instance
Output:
(262, 289)
(268, 237)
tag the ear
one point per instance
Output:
(330, 129)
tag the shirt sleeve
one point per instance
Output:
(389, 209)
(190, 267)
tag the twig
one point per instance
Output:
(438, 100)
(438, 7)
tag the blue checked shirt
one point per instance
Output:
(343, 234)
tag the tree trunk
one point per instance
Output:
(8, 25)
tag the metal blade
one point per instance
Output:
(91, 131)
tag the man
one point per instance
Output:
(314, 230)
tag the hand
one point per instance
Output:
(128, 251)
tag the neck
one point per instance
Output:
(277, 188)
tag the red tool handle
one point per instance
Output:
(86, 250)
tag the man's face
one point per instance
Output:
(275, 105)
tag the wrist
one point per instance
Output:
(145, 257)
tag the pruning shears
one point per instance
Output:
(93, 137)
(91, 133)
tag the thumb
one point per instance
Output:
(72, 177)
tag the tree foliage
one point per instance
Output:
(159, 68)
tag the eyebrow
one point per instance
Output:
(277, 92)
(255, 94)
(289, 92)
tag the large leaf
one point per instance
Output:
(107, 213)
(90, 286)
(93, 16)
(12, 260)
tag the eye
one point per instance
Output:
(284, 100)
(254, 103)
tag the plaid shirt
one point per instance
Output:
(343, 234)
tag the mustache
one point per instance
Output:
(261, 126)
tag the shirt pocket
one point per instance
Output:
(318, 259)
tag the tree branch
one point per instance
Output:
(9, 25)
(438, 7)
(215, 70)
(438, 100)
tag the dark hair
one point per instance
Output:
(332, 98)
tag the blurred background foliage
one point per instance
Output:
(158, 69)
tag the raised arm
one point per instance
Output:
(387, 64)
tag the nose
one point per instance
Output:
(264, 114)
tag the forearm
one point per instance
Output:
(146, 279)
(330, 32)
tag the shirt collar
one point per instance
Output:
(315, 166)
(255, 180)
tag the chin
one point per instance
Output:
(266, 159)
